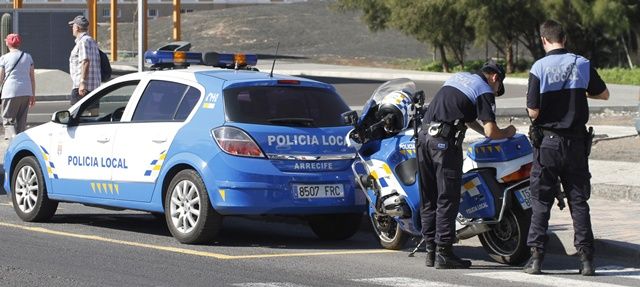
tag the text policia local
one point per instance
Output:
(94, 161)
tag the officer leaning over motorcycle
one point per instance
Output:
(463, 99)
(559, 85)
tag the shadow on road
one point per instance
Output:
(236, 231)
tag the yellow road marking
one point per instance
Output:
(7, 204)
(188, 251)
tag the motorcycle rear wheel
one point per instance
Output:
(506, 242)
(388, 232)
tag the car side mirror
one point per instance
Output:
(61, 117)
(350, 118)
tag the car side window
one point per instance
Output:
(189, 101)
(108, 104)
(166, 101)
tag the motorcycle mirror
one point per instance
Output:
(418, 98)
(350, 117)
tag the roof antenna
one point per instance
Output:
(274, 60)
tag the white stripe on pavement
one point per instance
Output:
(406, 282)
(616, 271)
(269, 284)
(545, 279)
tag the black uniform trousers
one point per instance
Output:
(565, 158)
(440, 166)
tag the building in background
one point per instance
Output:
(127, 8)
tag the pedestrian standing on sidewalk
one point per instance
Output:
(18, 87)
(84, 62)
(559, 85)
(463, 99)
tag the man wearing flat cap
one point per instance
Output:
(84, 61)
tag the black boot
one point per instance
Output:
(431, 254)
(587, 268)
(445, 259)
(535, 262)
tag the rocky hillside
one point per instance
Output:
(311, 30)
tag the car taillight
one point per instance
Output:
(235, 141)
(522, 173)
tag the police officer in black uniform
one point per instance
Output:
(559, 85)
(463, 99)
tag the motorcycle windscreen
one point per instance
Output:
(477, 200)
(299, 128)
(401, 84)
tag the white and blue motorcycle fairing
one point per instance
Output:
(494, 192)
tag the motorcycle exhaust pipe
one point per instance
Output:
(471, 231)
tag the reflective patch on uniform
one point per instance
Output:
(50, 167)
(156, 164)
(442, 146)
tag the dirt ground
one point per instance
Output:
(623, 149)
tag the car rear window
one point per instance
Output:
(292, 106)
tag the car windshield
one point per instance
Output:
(284, 105)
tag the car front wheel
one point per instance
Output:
(190, 217)
(29, 193)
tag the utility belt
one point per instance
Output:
(449, 131)
(536, 134)
(564, 133)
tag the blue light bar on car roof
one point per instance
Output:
(169, 59)
(232, 61)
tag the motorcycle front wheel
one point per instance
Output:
(506, 242)
(388, 232)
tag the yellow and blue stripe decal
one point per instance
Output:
(51, 168)
(105, 187)
(156, 164)
(472, 186)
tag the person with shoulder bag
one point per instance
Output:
(18, 87)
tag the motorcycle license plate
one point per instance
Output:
(318, 190)
(524, 197)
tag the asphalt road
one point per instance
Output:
(85, 246)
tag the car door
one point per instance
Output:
(144, 141)
(80, 153)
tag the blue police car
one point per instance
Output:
(195, 144)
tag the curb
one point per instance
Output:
(616, 192)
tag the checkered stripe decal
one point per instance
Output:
(51, 168)
(155, 165)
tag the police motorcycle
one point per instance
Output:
(495, 198)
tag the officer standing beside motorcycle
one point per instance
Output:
(463, 99)
(559, 85)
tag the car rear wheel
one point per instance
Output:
(335, 226)
(29, 193)
(190, 217)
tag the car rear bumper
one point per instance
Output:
(256, 187)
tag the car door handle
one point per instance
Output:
(104, 140)
(159, 140)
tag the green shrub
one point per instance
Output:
(621, 76)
